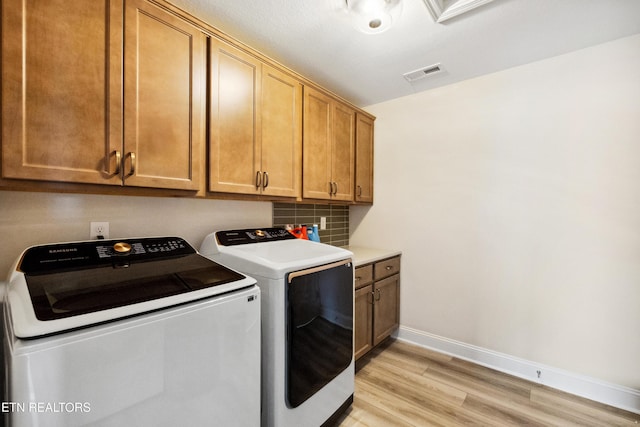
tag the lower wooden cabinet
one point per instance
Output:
(363, 323)
(377, 303)
(385, 307)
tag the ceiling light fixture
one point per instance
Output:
(373, 16)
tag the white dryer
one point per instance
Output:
(307, 321)
(142, 332)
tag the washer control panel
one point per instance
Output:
(80, 255)
(162, 246)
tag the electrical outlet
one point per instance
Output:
(99, 230)
(323, 223)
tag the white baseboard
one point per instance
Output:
(611, 394)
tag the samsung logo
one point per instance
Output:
(64, 250)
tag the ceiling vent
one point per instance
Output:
(441, 10)
(412, 76)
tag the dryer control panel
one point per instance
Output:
(252, 235)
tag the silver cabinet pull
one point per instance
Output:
(336, 190)
(359, 191)
(265, 179)
(132, 157)
(388, 267)
(377, 294)
(258, 179)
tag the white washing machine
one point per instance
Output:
(142, 332)
(307, 321)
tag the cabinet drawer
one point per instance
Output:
(363, 276)
(387, 267)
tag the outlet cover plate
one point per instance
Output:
(99, 229)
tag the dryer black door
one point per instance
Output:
(319, 328)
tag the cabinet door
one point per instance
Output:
(342, 152)
(164, 98)
(316, 158)
(364, 159)
(386, 307)
(362, 315)
(281, 115)
(234, 150)
(61, 90)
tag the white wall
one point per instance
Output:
(34, 218)
(515, 198)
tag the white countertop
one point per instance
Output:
(363, 255)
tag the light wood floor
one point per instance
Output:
(399, 384)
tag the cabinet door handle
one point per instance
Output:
(389, 267)
(265, 179)
(377, 291)
(132, 170)
(371, 294)
(359, 190)
(118, 163)
(107, 165)
(258, 179)
(333, 188)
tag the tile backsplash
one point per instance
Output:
(337, 232)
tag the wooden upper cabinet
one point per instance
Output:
(234, 146)
(281, 133)
(63, 111)
(328, 148)
(316, 157)
(164, 85)
(61, 89)
(364, 159)
(116, 92)
(255, 125)
(343, 151)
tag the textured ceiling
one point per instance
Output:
(316, 39)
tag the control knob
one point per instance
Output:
(122, 248)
